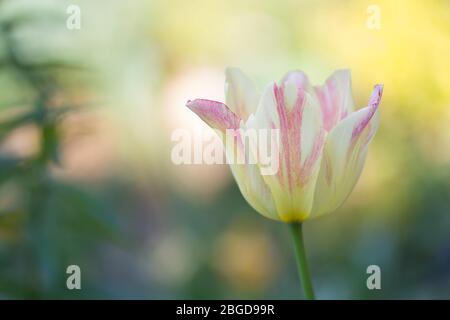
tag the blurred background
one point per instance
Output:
(86, 178)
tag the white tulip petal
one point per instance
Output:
(344, 155)
(240, 94)
(300, 147)
(335, 98)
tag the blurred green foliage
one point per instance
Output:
(51, 222)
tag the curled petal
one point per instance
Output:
(216, 114)
(344, 156)
(247, 175)
(373, 107)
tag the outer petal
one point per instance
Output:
(251, 183)
(240, 93)
(300, 146)
(254, 189)
(216, 114)
(248, 177)
(344, 155)
(335, 97)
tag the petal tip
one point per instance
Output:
(196, 103)
(189, 104)
(376, 95)
(230, 71)
(344, 71)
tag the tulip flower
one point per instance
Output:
(322, 145)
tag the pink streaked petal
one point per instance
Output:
(247, 176)
(311, 159)
(335, 98)
(373, 106)
(344, 156)
(216, 114)
(299, 78)
(301, 133)
(301, 142)
(290, 135)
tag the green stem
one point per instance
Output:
(302, 263)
